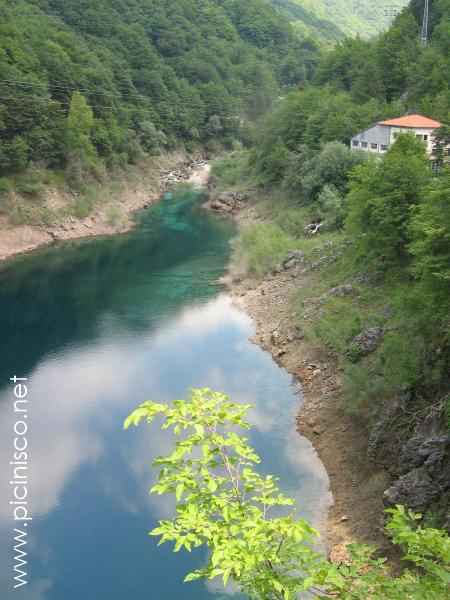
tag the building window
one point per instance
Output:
(383, 148)
(425, 138)
(374, 146)
(355, 143)
(395, 134)
(363, 144)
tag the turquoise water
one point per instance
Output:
(99, 326)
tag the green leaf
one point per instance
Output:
(212, 485)
(179, 491)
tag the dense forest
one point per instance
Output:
(360, 82)
(388, 220)
(89, 82)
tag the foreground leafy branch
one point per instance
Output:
(249, 526)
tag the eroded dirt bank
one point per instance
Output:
(113, 212)
(340, 440)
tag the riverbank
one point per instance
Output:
(339, 439)
(113, 210)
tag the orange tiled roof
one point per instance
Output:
(413, 121)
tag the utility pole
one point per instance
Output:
(424, 34)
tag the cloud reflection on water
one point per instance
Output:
(80, 397)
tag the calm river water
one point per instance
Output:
(97, 327)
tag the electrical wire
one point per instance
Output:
(66, 88)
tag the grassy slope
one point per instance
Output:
(307, 22)
(364, 17)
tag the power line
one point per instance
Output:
(424, 34)
(66, 88)
(65, 111)
(124, 96)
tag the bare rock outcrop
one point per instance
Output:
(418, 458)
(227, 202)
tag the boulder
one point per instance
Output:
(293, 259)
(228, 198)
(295, 334)
(216, 204)
(366, 342)
(275, 338)
(342, 290)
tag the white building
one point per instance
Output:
(380, 137)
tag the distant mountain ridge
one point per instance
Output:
(307, 21)
(329, 17)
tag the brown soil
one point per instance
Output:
(145, 190)
(339, 439)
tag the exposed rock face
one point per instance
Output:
(418, 459)
(420, 487)
(414, 489)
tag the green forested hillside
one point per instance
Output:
(83, 81)
(363, 17)
(385, 231)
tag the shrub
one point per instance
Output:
(363, 388)
(331, 167)
(253, 537)
(231, 170)
(85, 202)
(331, 207)
(31, 187)
(292, 221)
(23, 213)
(380, 201)
(5, 185)
(262, 247)
(339, 324)
(113, 216)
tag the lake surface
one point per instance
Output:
(99, 326)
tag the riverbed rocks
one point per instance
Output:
(227, 202)
(172, 177)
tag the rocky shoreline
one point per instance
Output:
(167, 172)
(402, 456)
(340, 440)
